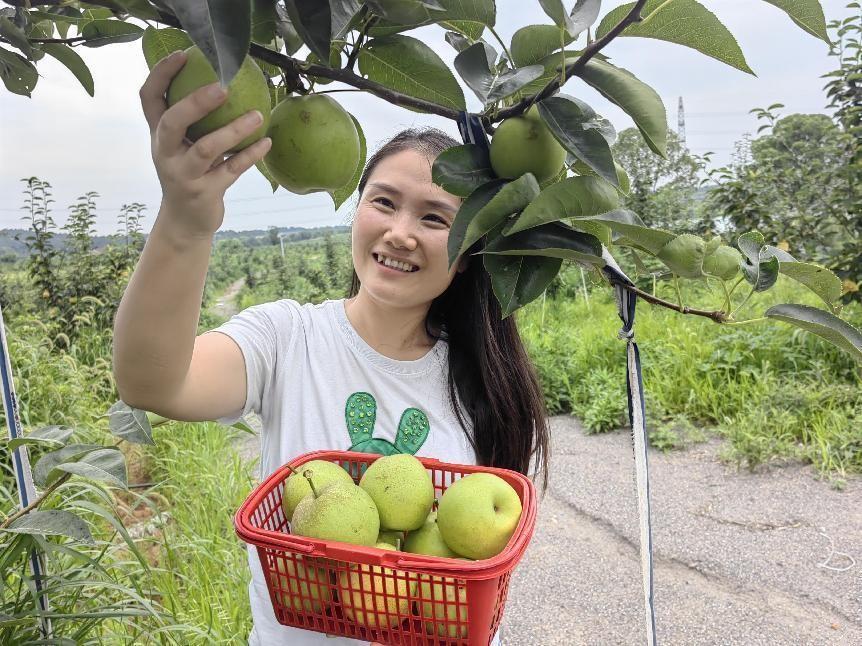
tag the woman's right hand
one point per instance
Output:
(195, 176)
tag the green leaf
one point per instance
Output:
(340, 195)
(406, 12)
(574, 197)
(510, 199)
(43, 471)
(684, 22)
(481, 11)
(637, 99)
(486, 81)
(518, 280)
(583, 15)
(533, 43)
(139, 9)
(312, 20)
(99, 33)
(808, 14)
(15, 36)
(343, 13)
(554, 240)
(822, 323)
(158, 43)
(74, 63)
(53, 522)
(460, 170)
(572, 122)
(107, 464)
(19, 75)
(815, 277)
(632, 231)
(761, 274)
(557, 12)
(221, 29)
(129, 423)
(264, 18)
(474, 203)
(472, 30)
(52, 436)
(409, 66)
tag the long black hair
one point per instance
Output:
(492, 382)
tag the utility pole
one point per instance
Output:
(680, 123)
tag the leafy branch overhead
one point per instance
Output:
(548, 189)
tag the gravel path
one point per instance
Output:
(740, 558)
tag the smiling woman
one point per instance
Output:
(418, 350)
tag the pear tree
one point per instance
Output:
(522, 227)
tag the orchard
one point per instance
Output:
(539, 183)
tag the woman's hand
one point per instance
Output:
(195, 176)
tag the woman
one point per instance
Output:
(420, 348)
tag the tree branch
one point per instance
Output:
(589, 52)
(716, 315)
(36, 502)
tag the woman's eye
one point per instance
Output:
(437, 218)
(384, 201)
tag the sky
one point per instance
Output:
(79, 143)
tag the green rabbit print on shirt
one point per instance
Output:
(360, 413)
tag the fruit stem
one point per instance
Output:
(307, 474)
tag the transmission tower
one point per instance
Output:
(680, 123)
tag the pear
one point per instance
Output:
(443, 600)
(338, 512)
(296, 487)
(428, 540)
(303, 579)
(391, 536)
(386, 599)
(478, 514)
(402, 490)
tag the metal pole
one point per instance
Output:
(21, 466)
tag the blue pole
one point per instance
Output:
(21, 466)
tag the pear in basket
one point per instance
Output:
(478, 514)
(427, 540)
(338, 512)
(296, 487)
(439, 596)
(402, 490)
(380, 608)
(306, 581)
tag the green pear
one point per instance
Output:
(391, 536)
(247, 91)
(478, 514)
(386, 599)
(339, 512)
(296, 487)
(443, 600)
(304, 586)
(402, 490)
(428, 540)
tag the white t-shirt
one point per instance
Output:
(307, 370)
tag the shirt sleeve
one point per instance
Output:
(262, 332)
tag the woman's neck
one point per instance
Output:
(397, 333)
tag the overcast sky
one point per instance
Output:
(78, 143)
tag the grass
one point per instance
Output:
(775, 393)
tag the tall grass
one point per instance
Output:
(202, 572)
(773, 391)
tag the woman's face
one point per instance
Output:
(403, 218)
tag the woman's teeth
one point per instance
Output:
(395, 264)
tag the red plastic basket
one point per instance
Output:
(384, 596)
